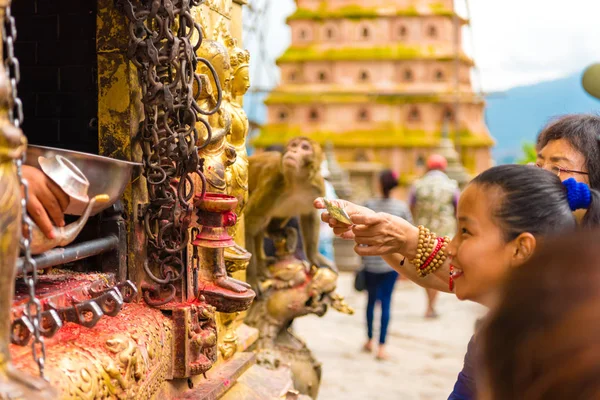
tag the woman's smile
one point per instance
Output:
(456, 272)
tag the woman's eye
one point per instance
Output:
(464, 231)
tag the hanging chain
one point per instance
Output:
(33, 309)
(160, 46)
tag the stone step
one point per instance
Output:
(222, 378)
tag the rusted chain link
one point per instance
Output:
(163, 40)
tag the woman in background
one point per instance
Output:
(380, 278)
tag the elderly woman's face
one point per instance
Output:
(564, 160)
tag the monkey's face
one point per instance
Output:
(298, 155)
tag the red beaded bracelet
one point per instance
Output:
(438, 246)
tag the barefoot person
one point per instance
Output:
(433, 201)
(379, 276)
(502, 214)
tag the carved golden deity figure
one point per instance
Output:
(237, 173)
(218, 154)
(292, 290)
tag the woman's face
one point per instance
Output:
(561, 154)
(479, 254)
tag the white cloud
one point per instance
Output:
(516, 42)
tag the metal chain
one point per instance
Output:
(160, 46)
(33, 309)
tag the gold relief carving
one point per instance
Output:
(229, 342)
(125, 357)
(222, 7)
(235, 88)
(195, 340)
(218, 154)
(225, 161)
(229, 345)
(236, 259)
(130, 367)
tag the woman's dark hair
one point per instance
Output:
(388, 181)
(541, 342)
(582, 131)
(533, 200)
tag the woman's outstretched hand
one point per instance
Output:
(375, 234)
(339, 228)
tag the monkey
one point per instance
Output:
(282, 186)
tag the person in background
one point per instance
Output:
(433, 202)
(325, 233)
(569, 147)
(380, 278)
(541, 342)
(47, 201)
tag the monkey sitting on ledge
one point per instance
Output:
(282, 186)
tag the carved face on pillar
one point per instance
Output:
(216, 54)
(241, 82)
(240, 60)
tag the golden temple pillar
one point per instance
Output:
(119, 116)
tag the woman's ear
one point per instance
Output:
(524, 246)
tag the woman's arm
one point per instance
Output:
(381, 234)
(437, 280)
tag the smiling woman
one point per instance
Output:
(502, 215)
(570, 148)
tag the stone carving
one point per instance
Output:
(292, 289)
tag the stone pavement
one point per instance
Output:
(425, 355)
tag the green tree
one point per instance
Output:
(529, 154)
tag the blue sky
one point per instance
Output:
(516, 42)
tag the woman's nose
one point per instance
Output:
(451, 249)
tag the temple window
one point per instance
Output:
(408, 75)
(363, 115)
(329, 33)
(448, 115)
(432, 32)
(292, 76)
(365, 32)
(283, 115)
(303, 34)
(420, 161)
(313, 115)
(414, 115)
(439, 76)
(364, 76)
(402, 32)
(322, 76)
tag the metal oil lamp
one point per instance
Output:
(215, 215)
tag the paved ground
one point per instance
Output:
(426, 355)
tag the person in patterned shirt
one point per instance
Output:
(433, 202)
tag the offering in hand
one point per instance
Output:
(337, 212)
